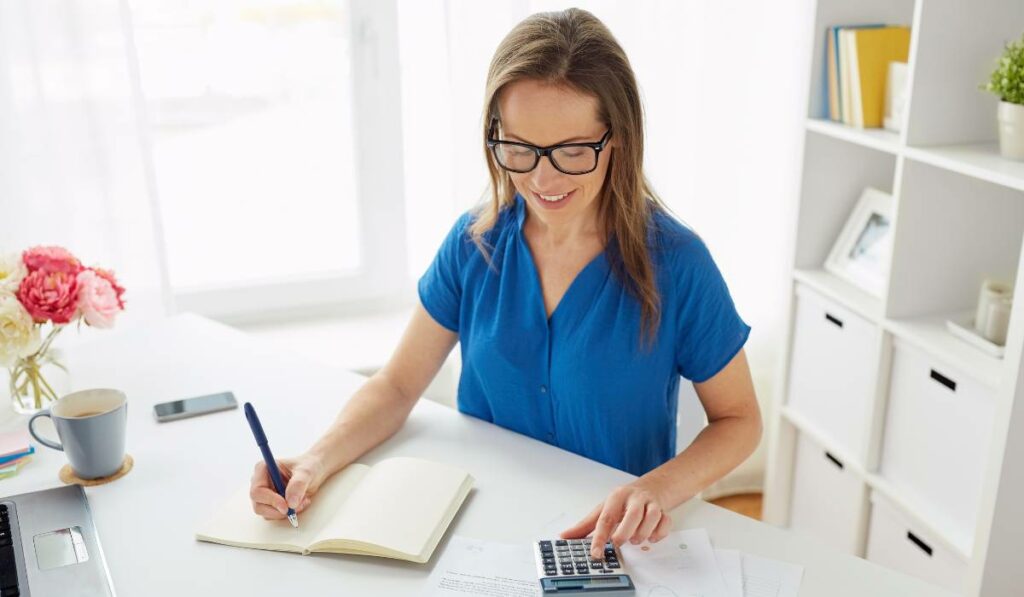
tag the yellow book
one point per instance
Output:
(871, 52)
(399, 508)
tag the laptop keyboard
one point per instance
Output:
(8, 567)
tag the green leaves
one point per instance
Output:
(1007, 81)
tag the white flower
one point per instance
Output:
(12, 270)
(19, 335)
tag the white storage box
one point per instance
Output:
(895, 543)
(827, 497)
(833, 369)
(938, 430)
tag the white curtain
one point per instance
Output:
(74, 169)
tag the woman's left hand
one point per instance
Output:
(631, 513)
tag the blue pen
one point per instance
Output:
(275, 473)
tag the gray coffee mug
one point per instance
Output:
(91, 428)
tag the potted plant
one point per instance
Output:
(1007, 81)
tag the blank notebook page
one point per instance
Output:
(399, 504)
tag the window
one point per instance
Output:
(270, 146)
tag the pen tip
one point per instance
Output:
(294, 520)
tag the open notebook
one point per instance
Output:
(398, 508)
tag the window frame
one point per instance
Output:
(381, 280)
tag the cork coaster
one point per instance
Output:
(68, 476)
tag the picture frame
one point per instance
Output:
(861, 252)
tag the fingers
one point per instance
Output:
(262, 492)
(610, 515)
(268, 497)
(630, 521)
(270, 513)
(583, 527)
(295, 492)
(663, 529)
(652, 516)
(267, 512)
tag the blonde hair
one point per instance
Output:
(574, 49)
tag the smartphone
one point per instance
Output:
(192, 407)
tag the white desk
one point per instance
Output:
(184, 469)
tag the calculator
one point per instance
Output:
(565, 567)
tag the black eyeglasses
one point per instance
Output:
(568, 158)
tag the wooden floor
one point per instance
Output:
(747, 504)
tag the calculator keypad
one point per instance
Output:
(571, 557)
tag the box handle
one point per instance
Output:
(924, 546)
(834, 460)
(834, 319)
(942, 379)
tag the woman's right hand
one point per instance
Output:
(302, 477)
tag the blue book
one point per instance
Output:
(833, 33)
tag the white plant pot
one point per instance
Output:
(1011, 130)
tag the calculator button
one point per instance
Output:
(561, 542)
(596, 565)
(545, 544)
(549, 561)
(613, 564)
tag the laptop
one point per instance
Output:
(48, 546)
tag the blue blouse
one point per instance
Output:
(580, 379)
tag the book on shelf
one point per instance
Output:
(857, 61)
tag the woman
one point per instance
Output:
(578, 300)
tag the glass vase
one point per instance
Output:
(36, 381)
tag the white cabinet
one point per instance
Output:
(896, 543)
(938, 429)
(913, 412)
(826, 497)
(833, 369)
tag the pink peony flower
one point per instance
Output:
(97, 299)
(109, 277)
(53, 259)
(49, 296)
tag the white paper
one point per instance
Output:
(553, 527)
(730, 562)
(680, 565)
(764, 577)
(476, 567)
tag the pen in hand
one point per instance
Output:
(268, 457)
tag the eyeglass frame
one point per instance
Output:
(540, 152)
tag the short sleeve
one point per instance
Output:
(440, 288)
(711, 331)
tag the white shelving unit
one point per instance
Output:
(893, 439)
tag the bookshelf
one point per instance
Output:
(892, 439)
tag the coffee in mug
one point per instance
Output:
(91, 427)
